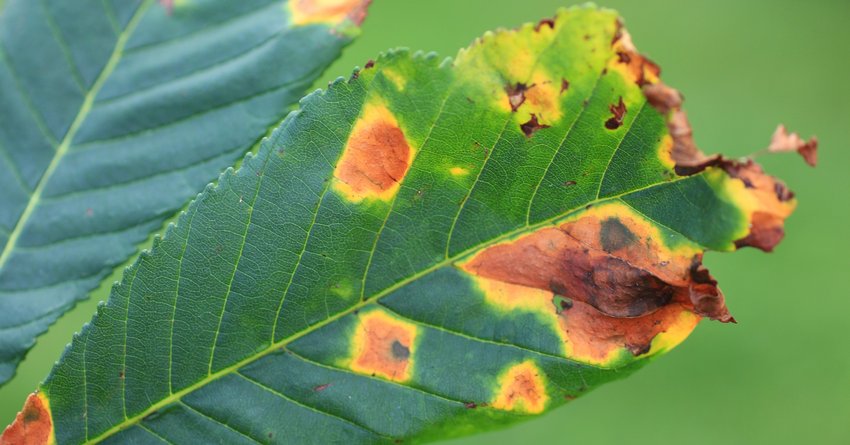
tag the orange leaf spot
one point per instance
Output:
(521, 388)
(33, 425)
(383, 346)
(376, 157)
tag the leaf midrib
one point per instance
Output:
(177, 396)
(65, 144)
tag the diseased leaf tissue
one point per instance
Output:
(423, 251)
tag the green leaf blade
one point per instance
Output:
(339, 285)
(115, 114)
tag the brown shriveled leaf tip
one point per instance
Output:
(782, 141)
(773, 201)
(689, 159)
(642, 70)
(32, 426)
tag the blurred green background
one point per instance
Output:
(782, 374)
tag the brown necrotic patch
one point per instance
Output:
(32, 426)
(532, 126)
(521, 388)
(600, 339)
(765, 201)
(618, 112)
(383, 346)
(629, 62)
(609, 258)
(516, 94)
(376, 157)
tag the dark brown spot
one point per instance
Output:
(470, 405)
(530, 127)
(623, 57)
(562, 303)
(782, 192)
(618, 112)
(516, 94)
(565, 85)
(400, 351)
(31, 415)
(369, 64)
(614, 236)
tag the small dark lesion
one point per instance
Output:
(31, 414)
(565, 85)
(400, 351)
(618, 112)
(614, 235)
(532, 126)
(516, 94)
(562, 303)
